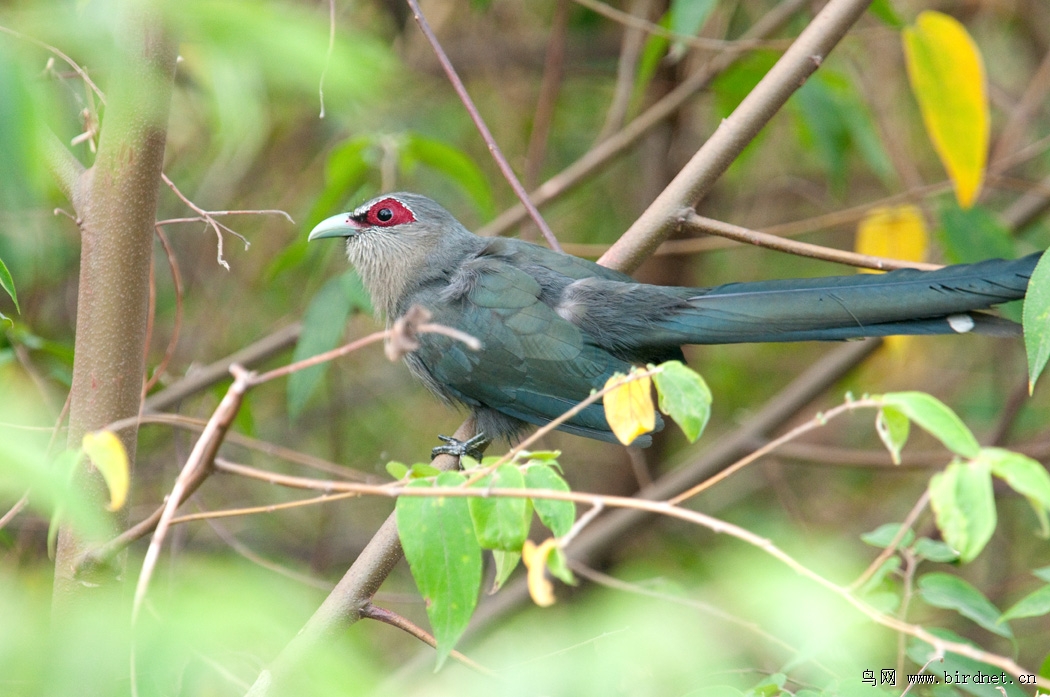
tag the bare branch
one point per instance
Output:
(374, 612)
(690, 219)
(735, 132)
(196, 468)
(486, 134)
(605, 152)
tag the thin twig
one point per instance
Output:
(699, 175)
(805, 249)
(631, 46)
(176, 278)
(260, 510)
(553, 68)
(486, 134)
(816, 422)
(257, 559)
(72, 63)
(617, 584)
(632, 22)
(390, 617)
(328, 54)
(14, 510)
(582, 522)
(608, 150)
(199, 462)
(208, 217)
(891, 548)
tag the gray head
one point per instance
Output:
(395, 240)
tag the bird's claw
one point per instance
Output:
(473, 447)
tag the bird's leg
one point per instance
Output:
(474, 447)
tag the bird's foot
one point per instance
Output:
(474, 447)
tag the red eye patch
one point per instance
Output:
(389, 212)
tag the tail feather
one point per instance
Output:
(845, 307)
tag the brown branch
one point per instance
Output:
(553, 69)
(176, 279)
(631, 21)
(354, 591)
(202, 378)
(690, 219)
(695, 180)
(197, 467)
(116, 200)
(374, 612)
(483, 129)
(818, 421)
(626, 67)
(608, 150)
(891, 548)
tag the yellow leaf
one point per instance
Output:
(898, 232)
(111, 460)
(535, 560)
(947, 77)
(629, 408)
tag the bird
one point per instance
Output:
(554, 327)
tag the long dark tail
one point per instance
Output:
(847, 307)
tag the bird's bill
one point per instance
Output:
(342, 225)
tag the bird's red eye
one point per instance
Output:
(389, 212)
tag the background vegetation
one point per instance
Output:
(225, 99)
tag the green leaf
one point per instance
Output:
(885, 12)
(422, 470)
(324, 325)
(887, 567)
(1036, 321)
(687, 17)
(454, 163)
(956, 666)
(397, 470)
(893, 427)
(883, 535)
(934, 417)
(558, 565)
(1042, 573)
(973, 235)
(444, 557)
(964, 504)
(8, 284)
(684, 396)
(837, 122)
(653, 51)
(1025, 476)
(934, 550)
(1035, 604)
(506, 562)
(558, 516)
(501, 523)
(768, 687)
(953, 593)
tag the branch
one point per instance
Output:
(735, 132)
(201, 379)
(374, 612)
(486, 134)
(689, 218)
(195, 470)
(608, 150)
(343, 606)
